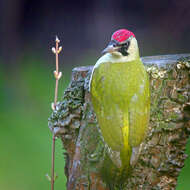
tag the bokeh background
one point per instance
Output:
(27, 33)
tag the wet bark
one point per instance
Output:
(88, 164)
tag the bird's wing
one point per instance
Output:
(108, 113)
(139, 110)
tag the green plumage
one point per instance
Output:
(121, 101)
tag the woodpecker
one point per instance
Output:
(119, 88)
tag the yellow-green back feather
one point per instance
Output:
(120, 97)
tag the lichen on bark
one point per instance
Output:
(88, 164)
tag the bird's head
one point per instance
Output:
(123, 43)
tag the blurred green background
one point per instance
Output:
(26, 93)
(27, 33)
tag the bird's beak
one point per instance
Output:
(109, 49)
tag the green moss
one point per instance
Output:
(181, 98)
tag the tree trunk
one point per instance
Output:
(89, 164)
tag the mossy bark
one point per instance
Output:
(88, 164)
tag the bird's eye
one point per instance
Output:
(124, 48)
(126, 44)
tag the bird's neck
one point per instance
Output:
(133, 50)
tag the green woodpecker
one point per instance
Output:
(119, 88)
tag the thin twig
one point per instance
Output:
(53, 163)
(56, 91)
(57, 75)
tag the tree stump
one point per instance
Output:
(88, 163)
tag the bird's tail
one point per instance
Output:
(125, 156)
(116, 176)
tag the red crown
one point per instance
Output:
(122, 35)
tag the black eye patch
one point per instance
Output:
(123, 48)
